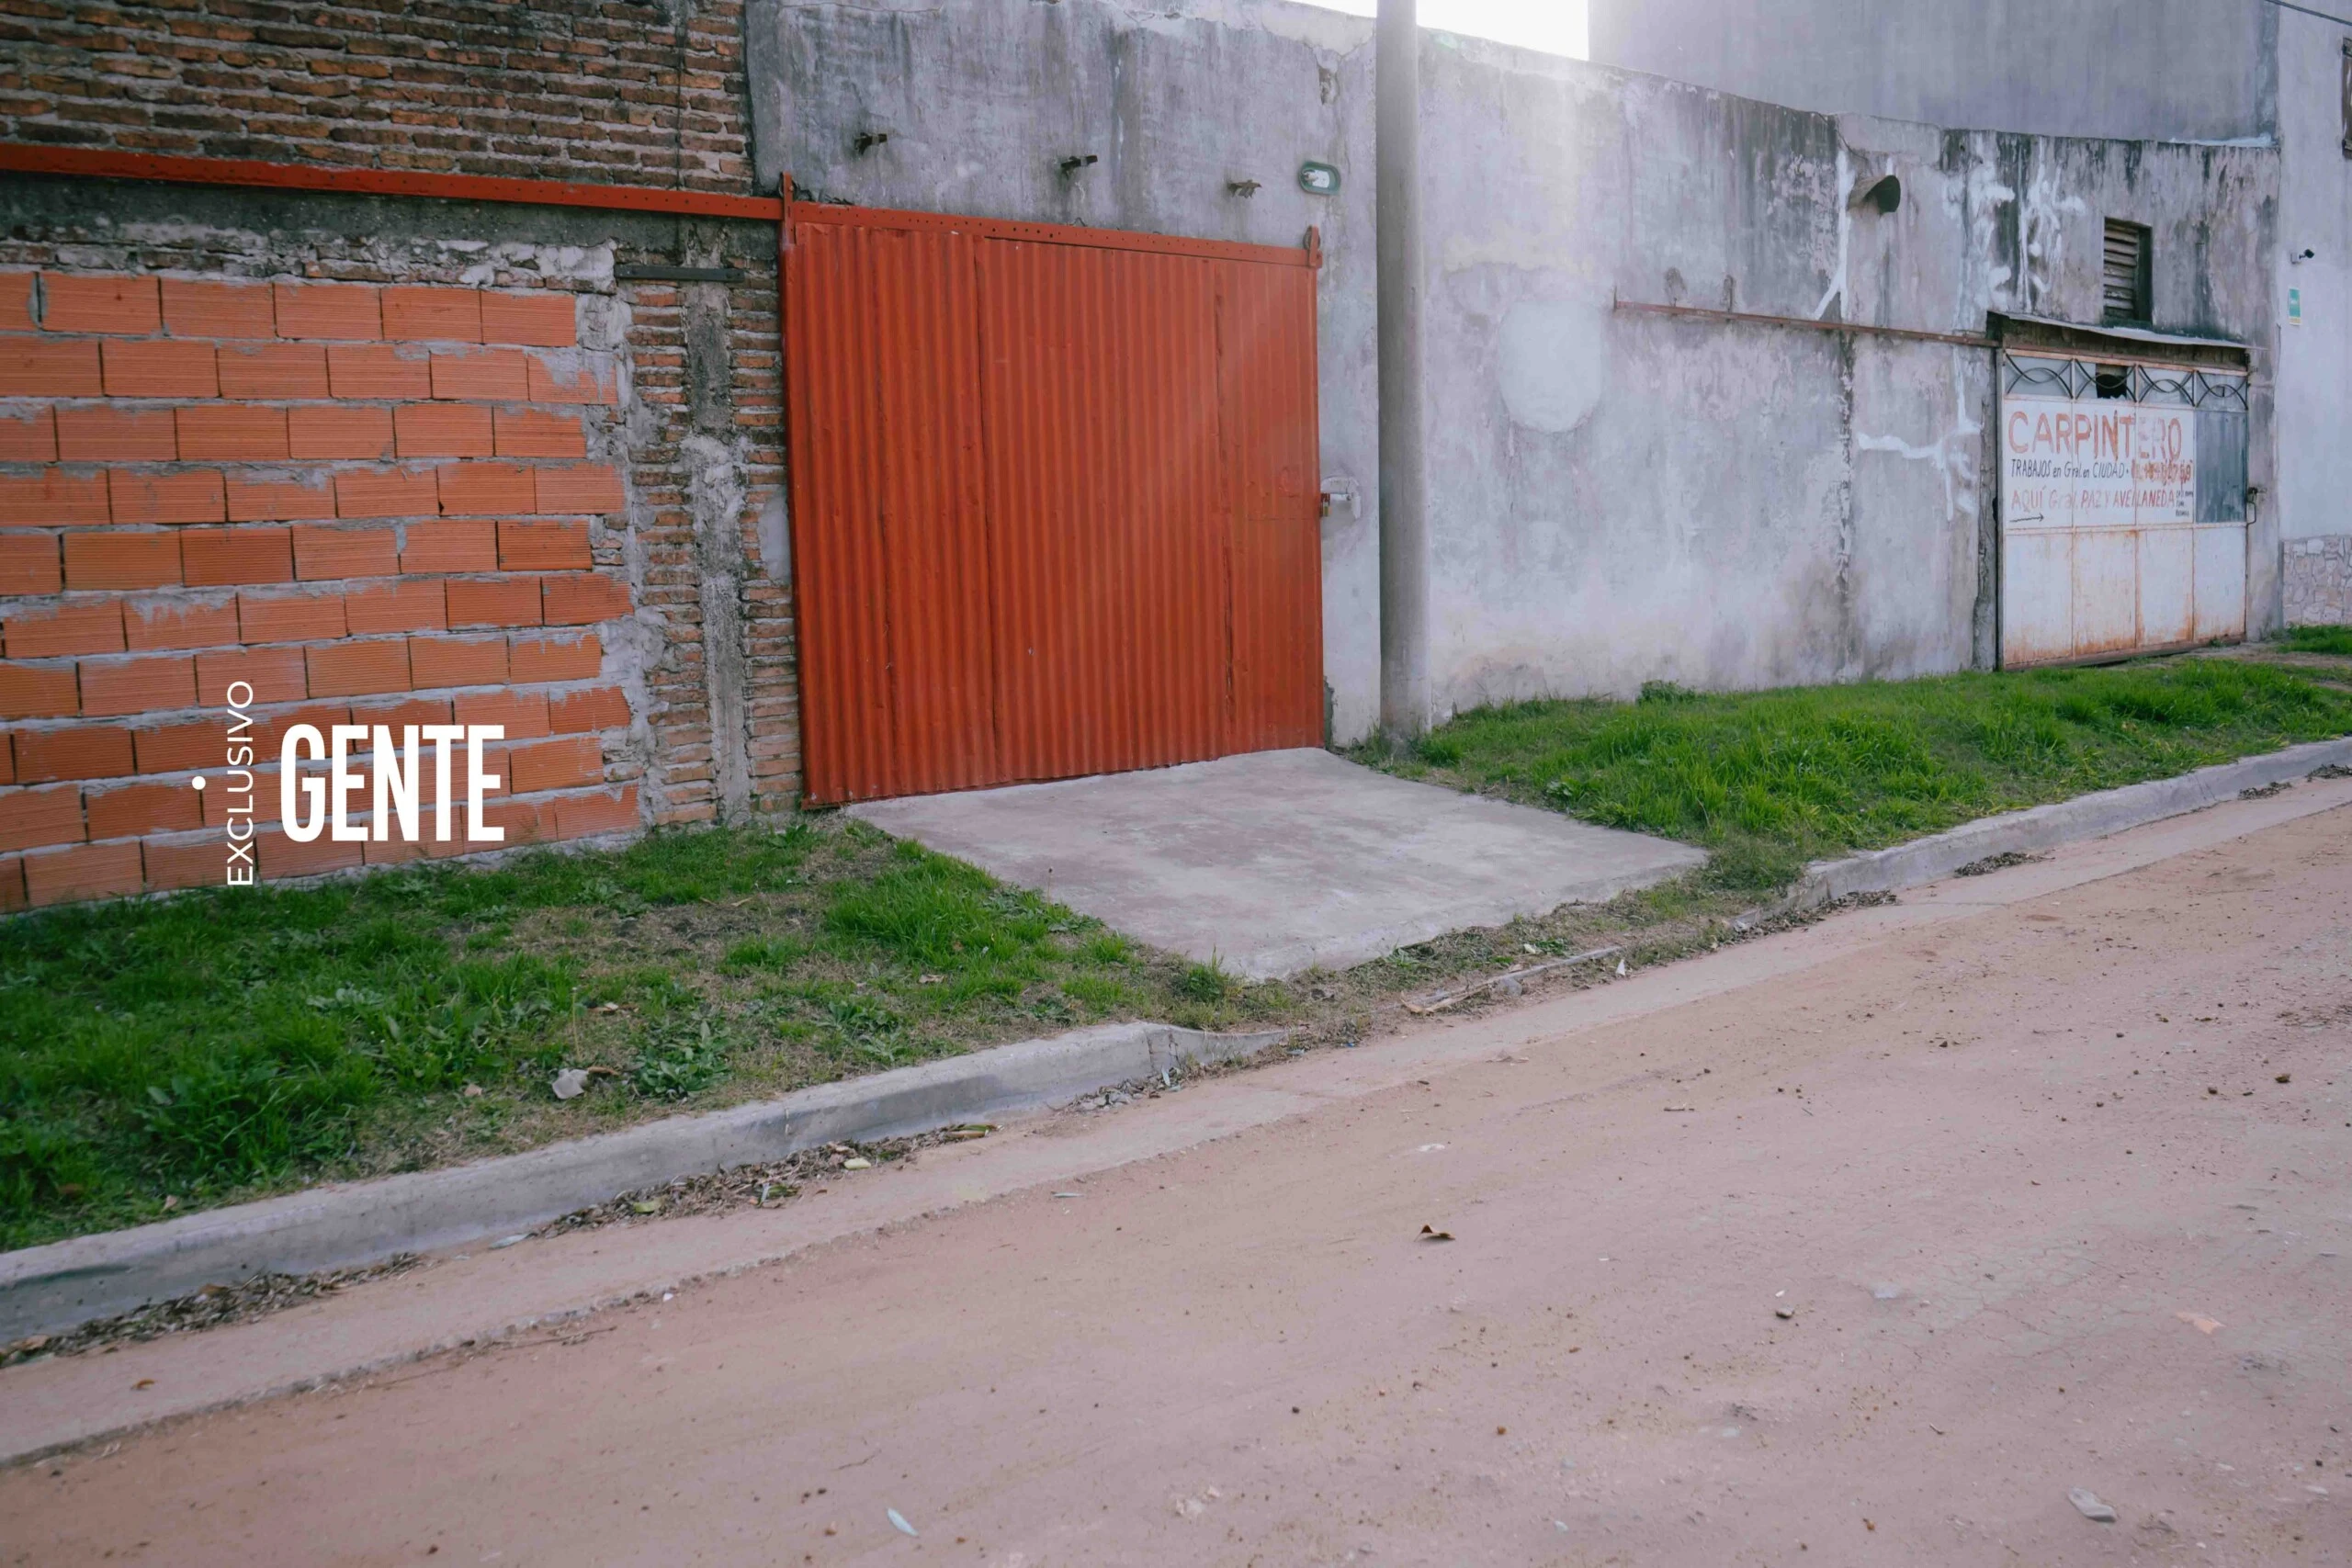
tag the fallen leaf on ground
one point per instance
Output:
(2199, 1322)
(1430, 1233)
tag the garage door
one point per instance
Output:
(2123, 514)
(1054, 499)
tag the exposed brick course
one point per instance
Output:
(574, 89)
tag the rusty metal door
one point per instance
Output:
(1054, 509)
(2123, 507)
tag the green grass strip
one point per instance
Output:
(1766, 780)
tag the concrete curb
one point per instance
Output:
(46, 1290)
(2063, 822)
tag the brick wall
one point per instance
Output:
(628, 92)
(386, 512)
(369, 504)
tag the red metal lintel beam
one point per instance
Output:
(88, 164)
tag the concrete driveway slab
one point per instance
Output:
(1280, 862)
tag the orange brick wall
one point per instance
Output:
(367, 455)
(371, 503)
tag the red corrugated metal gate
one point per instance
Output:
(1054, 502)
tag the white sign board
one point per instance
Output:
(2096, 464)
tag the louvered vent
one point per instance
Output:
(2126, 275)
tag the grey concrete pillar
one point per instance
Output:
(1404, 522)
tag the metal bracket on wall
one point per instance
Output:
(1804, 323)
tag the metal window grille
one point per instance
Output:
(2125, 276)
(2028, 374)
(2347, 98)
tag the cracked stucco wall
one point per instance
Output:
(1619, 498)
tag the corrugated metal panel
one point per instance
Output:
(1054, 509)
(897, 691)
(1267, 337)
(1108, 537)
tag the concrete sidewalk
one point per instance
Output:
(1280, 862)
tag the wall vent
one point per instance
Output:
(2125, 275)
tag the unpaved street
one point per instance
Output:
(2053, 1196)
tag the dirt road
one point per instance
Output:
(1871, 1264)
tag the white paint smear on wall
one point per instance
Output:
(1554, 363)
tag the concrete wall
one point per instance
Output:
(1620, 497)
(2138, 70)
(2166, 70)
(983, 99)
(1616, 498)
(2313, 501)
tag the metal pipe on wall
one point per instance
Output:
(1404, 519)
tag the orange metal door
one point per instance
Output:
(1053, 500)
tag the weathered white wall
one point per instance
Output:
(2313, 501)
(1616, 498)
(2166, 70)
(1620, 497)
(2140, 70)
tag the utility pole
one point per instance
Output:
(1403, 520)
